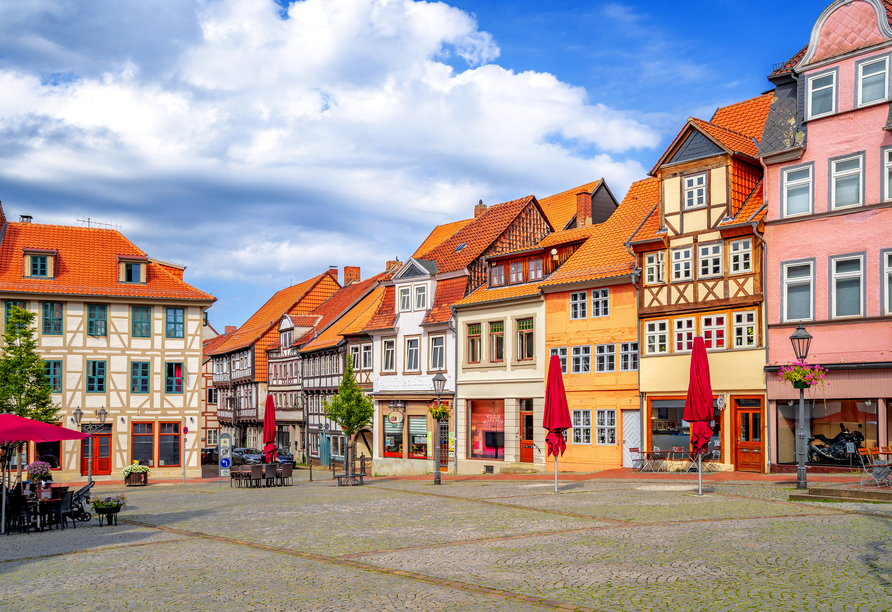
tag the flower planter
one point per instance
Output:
(800, 384)
(110, 514)
(136, 479)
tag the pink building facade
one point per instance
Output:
(827, 153)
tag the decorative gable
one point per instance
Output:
(847, 26)
(696, 146)
(411, 270)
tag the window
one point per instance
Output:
(628, 356)
(515, 272)
(418, 437)
(173, 377)
(487, 435)
(39, 265)
(821, 95)
(53, 370)
(605, 358)
(653, 268)
(580, 362)
(421, 297)
(872, 81)
(354, 356)
(389, 356)
(52, 318)
(366, 356)
(606, 426)
(96, 320)
(412, 355)
(561, 352)
(175, 323)
(713, 328)
(797, 191)
(710, 259)
(577, 305)
(600, 302)
(393, 438)
(143, 444)
(681, 264)
(132, 273)
(142, 322)
(745, 329)
(140, 371)
(535, 269)
(695, 191)
(438, 353)
(887, 273)
(212, 395)
(474, 343)
(525, 339)
(582, 427)
(742, 256)
(684, 334)
(657, 337)
(497, 276)
(95, 377)
(845, 182)
(497, 342)
(887, 174)
(797, 280)
(405, 299)
(10, 306)
(49, 452)
(847, 287)
(213, 437)
(168, 444)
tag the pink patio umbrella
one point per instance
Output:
(557, 413)
(698, 408)
(269, 430)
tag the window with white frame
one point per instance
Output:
(653, 268)
(681, 264)
(797, 190)
(684, 334)
(561, 352)
(845, 182)
(713, 328)
(887, 284)
(600, 302)
(438, 353)
(745, 329)
(741, 256)
(847, 291)
(412, 354)
(582, 427)
(656, 337)
(695, 191)
(581, 360)
(872, 81)
(605, 422)
(366, 356)
(628, 356)
(798, 290)
(577, 305)
(421, 297)
(710, 256)
(515, 272)
(605, 358)
(821, 95)
(405, 299)
(535, 269)
(354, 356)
(388, 355)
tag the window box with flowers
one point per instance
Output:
(136, 475)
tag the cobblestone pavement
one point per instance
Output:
(631, 546)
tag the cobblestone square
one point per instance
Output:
(476, 545)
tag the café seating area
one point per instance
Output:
(35, 508)
(263, 475)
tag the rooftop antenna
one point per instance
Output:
(90, 223)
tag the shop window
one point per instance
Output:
(95, 377)
(140, 372)
(393, 438)
(581, 362)
(168, 444)
(713, 328)
(173, 379)
(824, 417)
(142, 444)
(578, 305)
(418, 437)
(741, 256)
(684, 334)
(606, 427)
(745, 329)
(487, 429)
(605, 358)
(49, 452)
(52, 318)
(669, 429)
(656, 337)
(654, 273)
(525, 340)
(600, 302)
(497, 342)
(628, 356)
(474, 343)
(175, 322)
(53, 370)
(561, 352)
(283, 437)
(582, 427)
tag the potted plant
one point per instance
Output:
(440, 411)
(108, 507)
(135, 475)
(39, 471)
(801, 375)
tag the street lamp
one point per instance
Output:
(801, 340)
(90, 428)
(439, 384)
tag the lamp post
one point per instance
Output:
(439, 384)
(90, 428)
(801, 340)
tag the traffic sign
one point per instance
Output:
(224, 462)
(224, 450)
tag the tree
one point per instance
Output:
(350, 408)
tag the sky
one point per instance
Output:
(259, 142)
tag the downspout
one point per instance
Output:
(756, 233)
(635, 273)
(454, 330)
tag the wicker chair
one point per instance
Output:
(269, 473)
(256, 474)
(285, 474)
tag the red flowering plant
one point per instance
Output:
(440, 411)
(802, 375)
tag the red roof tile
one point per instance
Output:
(753, 210)
(385, 315)
(339, 303)
(647, 191)
(335, 332)
(747, 117)
(499, 293)
(448, 292)
(734, 142)
(438, 235)
(560, 208)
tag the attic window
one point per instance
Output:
(461, 246)
(38, 263)
(132, 269)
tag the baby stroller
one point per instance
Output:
(80, 497)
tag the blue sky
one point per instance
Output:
(259, 143)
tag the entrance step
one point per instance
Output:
(849, 494)
(519, 468)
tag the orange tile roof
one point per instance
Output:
(499, 293)
(210, 344)
(647, 190)
(787, 66)
(567, 236)
(360, 322)
(731, 140)
(744, 178)
(560, 208)
(335, 332)
(747, 117)
(303, 320)
(438, 235)
(476, 236)
(86, 264)
(385, 315)
(339, 303)
(448, 292)
(604, 255)
(753, 210)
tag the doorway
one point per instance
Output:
(631, 436)
(748, 451)
(444, 445)
(99, 448)
(526, 436)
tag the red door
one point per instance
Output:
(526, 437)
(99, 446)
(748, 435)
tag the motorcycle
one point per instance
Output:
(835, 449)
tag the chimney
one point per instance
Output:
(26, 218)
(351, 274)
(394, 263)
(479, 209)
(583, 209)
(333, 270)
(229, 329)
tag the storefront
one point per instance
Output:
(405, 436)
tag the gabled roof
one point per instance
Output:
(305, 320)
(359, 323)
(448, 292)
(335, 332)
(746, 118)
(339, 303)
(210, 344)
(438, 235)
(385, 315)
(560, 208)
(86, 264)
(753, 209)
(647, 191)
(496, 294)
(732, 141)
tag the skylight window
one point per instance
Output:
(461, 246)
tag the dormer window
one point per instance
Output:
(132, 272)
(515, 272)
(38, 263)
(405, 299)
(421, 297)
(132, 269)
(497, 276)
(695, 191)
(535, 269)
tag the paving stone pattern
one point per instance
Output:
(479, 545)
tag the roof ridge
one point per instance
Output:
(717, 126)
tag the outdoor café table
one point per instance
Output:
(656, 460)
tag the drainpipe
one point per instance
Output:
(454, 330)
(635, 274)
(765, 310)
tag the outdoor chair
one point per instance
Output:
(269, 474)
(876, 474)
(18, 514)
(285, 474)
(66, 511)
(235, 475)
(658, 463)
(637, 462)
(256, 475)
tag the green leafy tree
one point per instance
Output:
(350, 408)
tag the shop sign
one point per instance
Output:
(430, 444)
(720, 402)
(452, 445)
(395, 418)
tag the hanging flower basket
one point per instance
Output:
(440, 411)
(802, 375)
(801, 384)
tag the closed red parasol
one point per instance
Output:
(698, 409)
(557, 413)
(269, 430)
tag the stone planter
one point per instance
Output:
(136, 479)
(110, 514)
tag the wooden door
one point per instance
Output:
(444, 446)
(99, 446)
(526, 437)
(748, 435)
